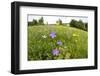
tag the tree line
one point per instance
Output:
(36, 22)
(73, 23)
(79, 24)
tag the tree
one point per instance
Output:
(86, 26)
(41, 21)
(30, 23)
(81, 25)
(34, 22)
(59, 22)
(74, 23)
(78, 24)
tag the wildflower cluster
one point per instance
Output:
(55, 51)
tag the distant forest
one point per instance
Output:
(73, 23)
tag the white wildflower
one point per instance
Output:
(44, 36)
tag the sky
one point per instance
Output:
(52, 19)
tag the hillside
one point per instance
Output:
(74, 43)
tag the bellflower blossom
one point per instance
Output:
(59, 43)
(55, 52)
(52, 35)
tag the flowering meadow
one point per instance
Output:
(56, 42)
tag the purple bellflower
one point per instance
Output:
(52, 35)
(59, 43)
(55, 52)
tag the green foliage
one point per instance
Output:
(81, 25)
(41, 21)
(40, 45)
(30, 23)
(36, 22)
(33, 23)
(59, 22)
(74, 23)
(78, 24)
(86, 26)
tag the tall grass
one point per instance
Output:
(40, 44)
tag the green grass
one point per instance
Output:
(74, 43)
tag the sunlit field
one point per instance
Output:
(47, 42)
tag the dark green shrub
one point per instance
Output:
(74, 23)
(79, 24)
(41, 21)
(86, 26)
(34, 22)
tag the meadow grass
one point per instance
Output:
(40, 45)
